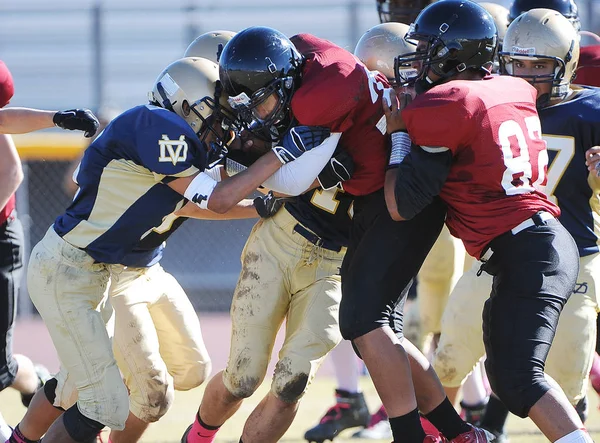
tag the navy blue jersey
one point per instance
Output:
(326, 213)
(123, 209)
(570, 128)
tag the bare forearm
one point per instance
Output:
(243, 210)
(22, 120)
(232, 190)
(11, 171)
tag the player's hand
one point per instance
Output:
(339, 169)
(393, 111)
(299, 140)
(77, 119)
(267, 205)
(592, 160)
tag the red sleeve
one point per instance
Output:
(439, 118)
(588, 72)
(332, 81)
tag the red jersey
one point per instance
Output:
(8, 209)
(499, 159)
(338, 92)
(588, 71)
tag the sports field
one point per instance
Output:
(319, 397)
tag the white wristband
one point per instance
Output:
(401, 145)
(200, 190)
(214, 172)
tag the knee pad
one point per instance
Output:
(290, 379)
(519, 391)
(50, 391)
(242, 386)
(152, 401)
(194, 377)
(80, 428)
(452, 366)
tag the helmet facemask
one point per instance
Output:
(218, 130)
(560, 84)
(273, 124)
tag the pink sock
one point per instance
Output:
(200, 433)
(18, 437)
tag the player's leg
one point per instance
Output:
(16, 371)
(312, 330)
(440, 272)
(461, 342)
(534, 274)
(259, 306)
(350, 409)
(136, 349)
(179, 334)
(383, 257)
(572, 351)
(66, 288)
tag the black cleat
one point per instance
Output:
(185, 434)
(350, 411)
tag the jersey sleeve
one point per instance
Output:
(169, 148)
(439, 119)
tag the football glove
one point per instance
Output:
(267, 205)
(77, 119)
(298, 140)
(339, 169)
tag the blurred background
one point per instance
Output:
(105, 55)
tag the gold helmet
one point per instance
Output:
(500, 15)
(209, 45)
(380, 45)
(190, 88)
(400, 11)
(543, 34)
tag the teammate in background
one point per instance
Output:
(588, 73)
(16, 370)
(493, 205)
(209, 45)
(375, 274)
(107, 234)
(568, 115)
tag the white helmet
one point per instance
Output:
(543, 34)
(190, 87)
(209, 45)
(380, 45)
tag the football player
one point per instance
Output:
(276, 84)
(104, 242)
(16, 370)
(550, 66)
(588, 70)
(588, 73)
(487, 173)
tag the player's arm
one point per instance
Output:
(11, 171)
(243, 210)
(592, 161)
(414, 177)
(23, 120)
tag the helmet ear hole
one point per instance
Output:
(185, 108)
